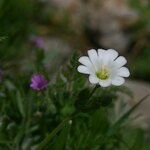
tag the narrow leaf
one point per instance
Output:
(20, 104)
(50, 136)
(126, 115)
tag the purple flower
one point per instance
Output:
(38, 41)
(38, 82)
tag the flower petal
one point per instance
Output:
(83, 69)
(105, 83)
(93, 79)
(103, 57)
(113, 54)
(93, 57)
(120, 61)
(124, 72)
(101, 52)
(85, 61)
(118, 81)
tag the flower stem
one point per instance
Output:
(93, 91)
(54, 132)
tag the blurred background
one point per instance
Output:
(60, 27)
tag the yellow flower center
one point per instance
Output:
(103, 74)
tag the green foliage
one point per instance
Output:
(143, 21)
(68, 115)
(17, 23)
(140, 38)
(140, 68)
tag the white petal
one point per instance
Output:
(120, 61)
(93, 57)
(103, 56)
(105, 83)
(112, 54)
(118, 81)
(124, 72)
(101, 52)
(83, 69)
(93, 79)
(85, 61)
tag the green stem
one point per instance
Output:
(93, 91)
(54, 132)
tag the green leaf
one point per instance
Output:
(51, 135)
(107, 99)
(74, 60)
(20, 104)
(125, 116)
(61, 139)
(138, 140)
(82, 99)
(99, 122)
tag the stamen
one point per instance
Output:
(103, 74)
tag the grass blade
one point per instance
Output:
(126, 115)
(52, 134)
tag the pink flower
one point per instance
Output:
(38, 41)
(38, 82)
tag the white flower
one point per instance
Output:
(104, 67)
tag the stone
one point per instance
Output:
(110, 19)
(57, 52)
(106, 20)
(141, 116)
